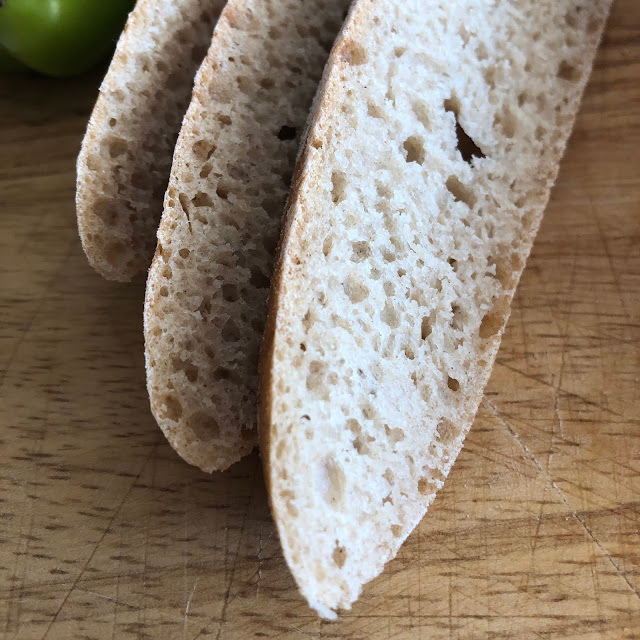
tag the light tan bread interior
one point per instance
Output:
(207, 288)
(123, 166)
(424, 178)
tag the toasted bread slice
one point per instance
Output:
(123, 166)
(422, 184)
(207, 288)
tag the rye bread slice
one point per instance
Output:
(206, 297)
(123, 166)
(425, 174)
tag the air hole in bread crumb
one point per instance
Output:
(355, 291)
(353, 53)
(107, 211)
(421, 111)
(112, 122)
(316, 375)
(114, 252)
(457, 317)
(360, 251)
(571, 19)
(203, 149)
(230, 292)
(388, 256)
(191, 372)
(117, 147)
(396, 530)
(287, 133)
(387, 500)
(166, 272)
(460, 192)
(258, 279)
(184, 203)
(466, 146)
(224, 119)
(202, 199)
(206, 170)
(491, 324)
(425, 328)
(222, 373)
(360, 446)
(395, 435)
(272, 207)
(288, 496)
(414, 148)
(164, 292)
(452, 383)
(374, 111)
(222, 191)
(368, 410)
(339, 555)
(184, 253)
(230, 332)
(204, 308)
(172, 409)
(333, 483)
(244, 84)
(447, 432)
(408, 352)
(508, 121)
(567, 71)
(338, 184)
(327, 245)
(390, 316)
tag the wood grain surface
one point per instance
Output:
(106, 533)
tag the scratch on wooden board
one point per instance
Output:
(102, 537)
(186, 609)
(560, 494)
(132, 607)
(227, 594)
(569, 394)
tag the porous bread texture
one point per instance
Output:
(207, 288)
(123, 166)
(420, 190)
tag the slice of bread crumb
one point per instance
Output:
(425, 175)
(207, 288)
(124, 162)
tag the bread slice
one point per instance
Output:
(124, 162)
(421, 187)
(206, 297)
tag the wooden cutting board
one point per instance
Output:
(106, 533)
